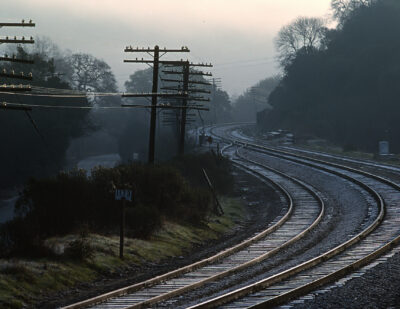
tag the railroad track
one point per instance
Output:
(304, 211)
(375, 240)
(350, 161)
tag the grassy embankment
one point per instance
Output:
(67, 257)
(25, 281)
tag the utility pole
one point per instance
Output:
(216, 83)
(186, 73)
(153, 116)
(10, 88)
(257, 91)
(156, 63)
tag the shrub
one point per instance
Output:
(64, 203)
(142, 221)
(217, 167)
(19, 237)
(80, 249)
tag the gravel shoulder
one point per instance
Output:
(346, 214)
(378, 287)
(375, 286)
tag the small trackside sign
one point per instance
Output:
(121, 194)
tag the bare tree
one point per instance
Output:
(302, 34)
(342, 9)
(91, 74)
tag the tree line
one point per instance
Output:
(36, 144)
(341, 84)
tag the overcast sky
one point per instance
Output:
(235, 35)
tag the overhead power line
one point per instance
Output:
(22, 106)
(156, 53)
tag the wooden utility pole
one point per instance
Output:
(11, 74)
(183, 112)
(153, 116)
(186, 73)
(215, 83)
(156, 63)
(122, 229)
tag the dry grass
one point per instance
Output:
(23, 282)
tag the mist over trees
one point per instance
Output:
(34, 143)
(91, 74)
(220, 108)
(303, 35)
(48, 140)
(134, 135)
(347, 91)
(254, 100)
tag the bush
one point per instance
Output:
(64, 203)
(142, 221)
(196, 205)
(80, 249)
(218, 169)
(19, 237)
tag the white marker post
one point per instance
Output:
(124, 195)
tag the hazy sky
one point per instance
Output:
(235, 35)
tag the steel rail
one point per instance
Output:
(309, 264)
(245, 265)
(191, 267)
(344, 158)
(345, 270)
(236, 249)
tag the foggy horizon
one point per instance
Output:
(235, 36)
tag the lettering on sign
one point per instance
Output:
(123, 194)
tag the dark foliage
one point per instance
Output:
(80, 249)
(72, 201)
(254, 99)
(218, 169)
(26, 152)
(348, 92)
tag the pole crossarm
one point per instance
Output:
(201, 73)
(16, 76)
(174, 121)
(191, 64)
(164, 62)
(15, 59)
(5, 105)
(14, 88)
(21, 24)
(130, 49)
(191, 73)
(162, 95)
(171, 80)
(190, 90)
(198, 82)
(173, 114)
(169, 63)
(195, 82)
(169, 107)
(198, 99)
(15, 40)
